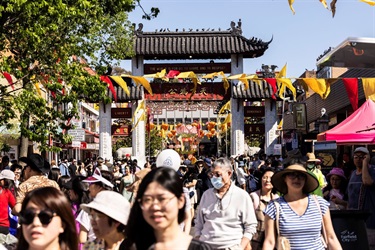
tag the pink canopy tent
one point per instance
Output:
(356, 129)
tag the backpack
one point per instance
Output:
(251, 183)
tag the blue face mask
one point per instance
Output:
(217, 182)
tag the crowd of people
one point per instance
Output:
(182, 202)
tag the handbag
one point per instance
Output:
(282, 243)
(323, 236)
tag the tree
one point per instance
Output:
(54, 46)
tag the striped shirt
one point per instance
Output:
(303, 232)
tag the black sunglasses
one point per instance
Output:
(45, 216)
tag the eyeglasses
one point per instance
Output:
(147, 201)
(45, 216)
(295, 175)
(265, 178)
(361, 157)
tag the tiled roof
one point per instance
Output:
(197, 44)
(254, 91)
(136, 93)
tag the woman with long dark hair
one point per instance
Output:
(158, 209)
(47, 221)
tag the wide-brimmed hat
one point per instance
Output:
(97, 177)
(7, 174)
(36, 162)
(112, 204)
(279, 184)
(338, 172)
(311, 157)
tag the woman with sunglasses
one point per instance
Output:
(301, 215)
(47, 221)
(158, 209)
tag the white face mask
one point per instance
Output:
(217, 182)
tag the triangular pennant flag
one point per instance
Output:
(121, 83)
(369, 87)
(372, 3)
(272, 82)
(172, 73)
(225, 107)
(107, 80)
(329, 82)
(193, 77)
(141, 106)
(316, 85)
(141, 118)
(38, 89)
(9, 79)
(280, 125)
(228, 119)
(333, 8)
(286, 83)
(282, 72)
(291, 6)
(324, 3)
(140, 80)
(351, 86)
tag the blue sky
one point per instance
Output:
(297, 39)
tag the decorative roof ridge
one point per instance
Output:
(233, 30)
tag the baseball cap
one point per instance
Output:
(361, 150)
(168, 158)
(7, 174)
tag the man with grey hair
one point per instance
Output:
(226, 217)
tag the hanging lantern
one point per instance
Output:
(173, 132)
(152, 126)
(194, 124)
(164, 126)
(212, 131)
(178, 125)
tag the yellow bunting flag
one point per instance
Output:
(228, 119)
(160, 75)
(324, 3)
(38, 89)
(317, 85)
(193, 77)
(369, 88)
(216, 74)
(282, 72)
(140, 80)
(241, 78)
(121, 83)
(225, 107)
(286, 83)
(372, 3)
(141, 107)
(141, 118)
(291, 6)
(280, 125)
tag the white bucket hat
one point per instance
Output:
(112, 204)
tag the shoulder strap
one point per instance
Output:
(321, 215)
(277, 206)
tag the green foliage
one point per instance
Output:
(153, 142)
(58, 44)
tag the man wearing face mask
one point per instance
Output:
(226, 217)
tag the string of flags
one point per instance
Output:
(332, 6)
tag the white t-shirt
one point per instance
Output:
(241, 176)
(84, 219)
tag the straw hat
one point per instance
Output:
(278, 181)
(311, 157)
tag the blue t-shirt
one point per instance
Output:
(303, 232)
(354, 190)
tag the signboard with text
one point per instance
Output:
(77, 134)
(121, 112)
(197, 68)
(252, 111)
(254, 129)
